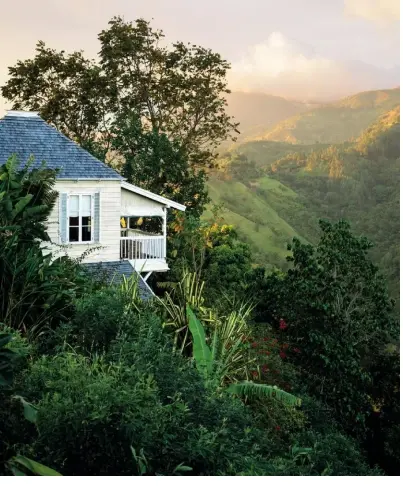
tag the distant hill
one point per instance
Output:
(272, 191)
(335, 122)
(257, 111)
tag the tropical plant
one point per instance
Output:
(35, 290)
(7, 357)
(23, 466)
(215, 364)
(259, 391)
(188, 291)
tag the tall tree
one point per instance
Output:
(336, 312)
(154, 162)
(177, 90)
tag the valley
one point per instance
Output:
(272, 191)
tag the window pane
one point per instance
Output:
(74, 221)
(86, 205)
(73, 234)
(86, 221)
(86, 233)
(73, 206)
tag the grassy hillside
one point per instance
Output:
(336, 122)
(280, 192)
(260, 211)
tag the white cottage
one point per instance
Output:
(92, 200)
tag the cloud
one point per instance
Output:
(382, 12)
(283, 67)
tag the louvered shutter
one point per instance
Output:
(63, 218)
(97, 217)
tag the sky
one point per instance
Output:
(300, 49)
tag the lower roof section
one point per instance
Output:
(113, 272)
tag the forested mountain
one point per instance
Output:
(274, 190)
(255, 112)
(335, 122)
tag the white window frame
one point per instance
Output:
(80, 227)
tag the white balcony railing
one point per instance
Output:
(143, 247)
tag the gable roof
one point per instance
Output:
(26, 134)
(152, 196)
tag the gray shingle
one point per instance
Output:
(32, 136)
(114, 271)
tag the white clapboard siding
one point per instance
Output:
(136, 205)
(110, 212)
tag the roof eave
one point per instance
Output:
(152, 196)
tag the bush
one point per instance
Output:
(91, 411)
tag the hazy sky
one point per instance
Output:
(294, 48)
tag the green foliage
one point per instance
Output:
(98, 318)
(332, 454)
(156, 164)
(220, 362)
(143, 396)
(339, 314)
(34, 290)
(18, 465)
(357, 181)
(7, 359)
(178, 90)
(201, 352)
(253, 390)
(26, 199)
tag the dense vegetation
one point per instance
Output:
(232, 369)
(193, 382)
(282, 190)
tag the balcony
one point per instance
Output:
(146, 252)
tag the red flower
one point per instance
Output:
(267, 353)
(265, 339)
(283, 355)
(283, 325)
(254, 374)
(254, 344)
(277, 427)
(297, 350)
(265, 368)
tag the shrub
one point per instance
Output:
(91, 411)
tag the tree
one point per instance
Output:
(34, 291)
(155, 163)
(336, 311)
(178, 90)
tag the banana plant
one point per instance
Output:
(23, 466)
(214, 364)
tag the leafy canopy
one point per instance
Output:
(177, 90)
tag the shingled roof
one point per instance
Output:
(113, 272)
(26, 134)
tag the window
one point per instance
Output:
(80, 218)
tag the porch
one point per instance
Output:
(145, 251)
(144, 244)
